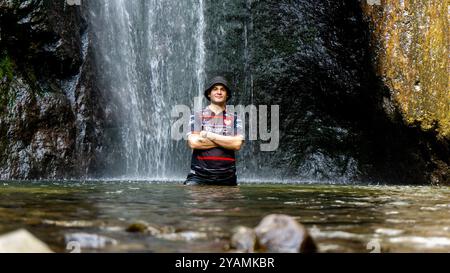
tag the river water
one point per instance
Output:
(341, 218)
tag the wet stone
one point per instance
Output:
(282, 233)
(243, 239)
(144, 227)
(22, 241)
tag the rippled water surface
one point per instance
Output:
(199, 219)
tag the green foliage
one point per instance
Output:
(6, 75)
(3, 143)
(6, 67)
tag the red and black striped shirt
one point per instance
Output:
(216, 161)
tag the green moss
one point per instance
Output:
(7, 98)
(6, 67)
(6, 76)
(3, 130)
(30, 76)
(413, 60)
(3, 143)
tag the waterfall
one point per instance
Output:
(201, 54)
(150, 55)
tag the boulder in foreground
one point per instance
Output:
(22, 241)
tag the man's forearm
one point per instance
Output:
(195, 141)
(227, 142)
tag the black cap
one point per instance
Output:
(218, 80)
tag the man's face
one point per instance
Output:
(218, 94)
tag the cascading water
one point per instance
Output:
(153, 55)
(150, 56)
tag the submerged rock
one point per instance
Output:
(144, 227)
(75, 223)
(275, 233)
(183, 236)
(243, 239)
(22, 241)
(165, 232)
(282, 233)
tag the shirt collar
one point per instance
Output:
(207, 110)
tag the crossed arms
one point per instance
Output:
(207, 140)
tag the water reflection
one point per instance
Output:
(340, 218)
(45, 209)
(212, 206)
(212, 195)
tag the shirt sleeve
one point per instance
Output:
(195, 123)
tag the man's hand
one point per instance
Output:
(195, 141)
(207, 135)
(204, 134)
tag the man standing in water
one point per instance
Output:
(215, 136)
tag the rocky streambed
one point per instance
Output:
(138, 216)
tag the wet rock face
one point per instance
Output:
(410, 41)
(46, 33)
(49, 127)
(37, 133)
(311, 59)
(39, 48)
(337, 119)
(41, 132)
